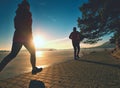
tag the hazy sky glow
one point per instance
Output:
(52, 19)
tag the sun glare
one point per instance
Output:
(39, 53)
(39, 41)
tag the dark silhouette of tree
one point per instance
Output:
(99, 18)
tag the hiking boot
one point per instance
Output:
(36, 70)
(78, 56)
(75, 58)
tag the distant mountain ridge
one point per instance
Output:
(106, 45)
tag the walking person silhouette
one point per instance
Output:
(22, 36)
(75, 37)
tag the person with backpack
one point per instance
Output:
(75, 37)
(22, 36)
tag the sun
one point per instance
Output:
(38, 41)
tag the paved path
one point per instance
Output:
(97, 70)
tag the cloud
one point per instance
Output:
(66, 43)
(58, 40)
(42, 3)
(62, 43)
(52, 18)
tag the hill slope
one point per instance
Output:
(106, 45)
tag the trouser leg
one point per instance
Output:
(78, 50)
(30, 47)
(14, 51)
(75, 50)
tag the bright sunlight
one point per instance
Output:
(38, 41)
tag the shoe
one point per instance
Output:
(36, 70)
(75, 58)
(78, 56)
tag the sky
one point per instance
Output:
(53, 21)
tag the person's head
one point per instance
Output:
(74, 29)
(24, 5)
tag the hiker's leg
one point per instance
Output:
(31, 48)
(14, 51)
(74, 46)
(78, 49)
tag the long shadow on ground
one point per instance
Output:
(36, 84)
(100, 63)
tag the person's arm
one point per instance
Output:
(17, 24)
(70, 36)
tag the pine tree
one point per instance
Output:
(100, 18)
